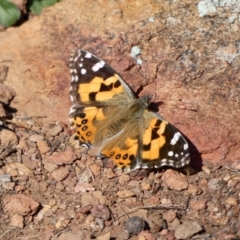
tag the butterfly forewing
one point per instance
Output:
(105, 113)
(94, 82)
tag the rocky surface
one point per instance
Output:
(78, 197)
(189, 61)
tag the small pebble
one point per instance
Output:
(206, 170)
(55, 130)
(231, 201)
(101, 211)
(187, 229)
(135, 225)
(175, 180)
(85, 209)
(125, 194)
(146, 235)
(17, 221)
(213, 184)
(36, 138)
(198, 204)
(170, 215)
(124, 235)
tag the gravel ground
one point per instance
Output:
(51, 188)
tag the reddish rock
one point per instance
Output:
(17, 221)
(50, 166)
(100, 211)
(100, 197)
(88, 199)
(19, 188)
(85, 209)
(2, 111)
(6, 94)
(177, 70)
(125, 194)
(198, 204)
(43, 146)
(110, 174)
(95, 169)
(104, 236)
(174, 224)
(60, 158)
(20, 204)
(154, 200)
(170, 215)
(17, 169)
(74, 235)
(146, 186)
(187, 229)
(47, 233)
(60, 173)
(193, 190)
(55, 130)
(123, 179)
(36, 137)
(231, 201)
(8, 138)
(175, 180)
(83, 187)
(146, 235)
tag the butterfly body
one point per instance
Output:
(106, 114)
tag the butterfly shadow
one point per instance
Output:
(195, 156)
(10, 112)
(154, 106)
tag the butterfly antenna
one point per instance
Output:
(181, 107)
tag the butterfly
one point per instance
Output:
(107, 115)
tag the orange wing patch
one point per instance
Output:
(100, 89)
(84, 123)
(125, 156)
(153, 139)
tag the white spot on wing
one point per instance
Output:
(73, 70)
(98, 65)
(83, 71)
(86, 145)
(79, 52)
(175, 138)
(74, 78)
(88, 55)
(80, 65)
(170, 153)
(164, 161)
(185, 146)
(72, 109)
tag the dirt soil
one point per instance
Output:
(52, 189)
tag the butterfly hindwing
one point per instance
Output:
(83, 120)
(163, 144)
(106, 114)
(151, 142)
